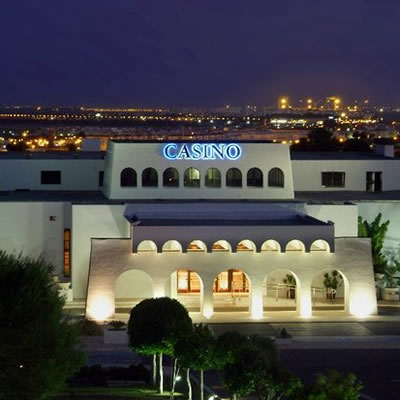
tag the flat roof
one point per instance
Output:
(52, 155)
(97, 197)
(191, 140)
(337, 155)
(303, 221)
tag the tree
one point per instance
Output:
(196, 351)
(334, 386)
(38, 345)
(255, 368)
(377, 232)
(322, 139)
(154, 327)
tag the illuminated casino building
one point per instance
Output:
(229, 229)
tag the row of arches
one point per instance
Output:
(174, 246)
(192, 178)
(232, 290)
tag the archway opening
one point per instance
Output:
(295, 246)
(271, 245)
(221, 246)
(246, 245)
(197, 246)
(328, 291)
(320, 246)
(186, 286)
(280, 291)
(231, 291)
(131, 287)
(172, 246)
(147, 246)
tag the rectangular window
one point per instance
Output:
(101, 178)
(50, 177)
(67, 252)
(333, 179)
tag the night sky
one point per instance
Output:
(197, 52)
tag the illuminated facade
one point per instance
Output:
(226, 228)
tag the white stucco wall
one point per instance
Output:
(26, 227)
(76, 174)
(110, 258)
(307, 173)
(92, 221)
(143, 155)
(344, 216)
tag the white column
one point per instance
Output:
(256, 299)
(304, 300)
(207, 301)
(173, 292)
(159, 287)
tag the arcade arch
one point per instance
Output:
(130, 288)
(329, 291)
(231, 291)
(187, 287)
(280, 291)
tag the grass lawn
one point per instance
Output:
(104, 393)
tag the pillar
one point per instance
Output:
(304, 301)
(256, 299)
(207, 299)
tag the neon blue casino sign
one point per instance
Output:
(202, 151)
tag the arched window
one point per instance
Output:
(149, 177)
(320, 245)
(128, 177)
(233, 178)
(172, 246)
(246, 245)
(147, 246)
(276, 178)
(255, 177)
(197, 246)
(221, 245)
(271, 245)
(295, 245)
(171, 177)
(213, 178)
(192, 178)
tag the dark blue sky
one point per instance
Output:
(197, 52)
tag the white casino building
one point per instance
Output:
(223, 227)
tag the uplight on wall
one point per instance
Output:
(100, 308)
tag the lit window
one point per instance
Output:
(213, 178)
(197, 246)
(67, 252)
(246, 245)
(192, 178)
